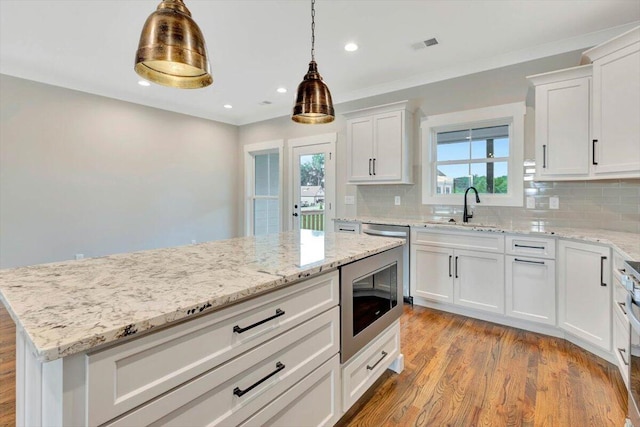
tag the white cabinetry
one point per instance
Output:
(616, 106)
(587, 123)
(466, 269)
(379, 145)
(530, 277)
(346, 227)
(562, 123)
(585, 292)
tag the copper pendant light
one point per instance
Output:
(172, 50)
(313, 99)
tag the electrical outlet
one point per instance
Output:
(554, 202)
(531, 202)
(79, 256)
(396, 201)
(349, 200)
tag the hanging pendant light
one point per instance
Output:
(313, 99)
(172, 50)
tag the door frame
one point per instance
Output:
(329, 165)
(250, 150)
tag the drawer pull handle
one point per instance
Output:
(602, 258)
(621, 351)
(622, 306)
(370, 368)
(238, 392)
(528, 261)
(237, 329)
(529, 247)
(350, 230)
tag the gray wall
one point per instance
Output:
(85, 174)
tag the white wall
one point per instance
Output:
(85, 174)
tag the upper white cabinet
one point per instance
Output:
(616, 106)
(587, 123)
(562, 123)
(379, 145)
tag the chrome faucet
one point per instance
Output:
(466, 215)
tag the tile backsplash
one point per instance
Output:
(607, 204)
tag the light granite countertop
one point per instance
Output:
(69, 307)
(628, 244)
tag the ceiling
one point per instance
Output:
(256, 46)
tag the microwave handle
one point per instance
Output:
(633, 320)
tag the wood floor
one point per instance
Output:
(466, 372)
(7, 369)
(458, 372)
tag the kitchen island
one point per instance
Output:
(69, 315)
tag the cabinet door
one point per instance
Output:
(562, 128)
(432, 273)
(479, 280)
(616, 108)
(360, 146)
(531, 289)
(585, 292)
(388, 146)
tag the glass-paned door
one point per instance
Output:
(312, 186)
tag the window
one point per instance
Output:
(482, 148)
(263, 202)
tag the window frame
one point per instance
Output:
(250, 151)
(506, 114)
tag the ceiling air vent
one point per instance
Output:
(424, 43)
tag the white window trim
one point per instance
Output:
(512, 114)
(250, 150)
(326, 138)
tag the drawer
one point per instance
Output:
(366, 367)
(125, 376)
(230, 393)
(618, 265)
(314, 401)
(531, 246)
(620, 300)
(346, 227)
(621, 346)
(477, 240)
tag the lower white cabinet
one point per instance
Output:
(479, 280)
(531, 289)
(314, 401)
(432, 273)
(363, 369)
(230, 393)
(585, 292)
(467, 278)
(346, 227)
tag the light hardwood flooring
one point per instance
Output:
(458, 372)
(466, 372)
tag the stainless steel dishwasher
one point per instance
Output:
(403, 232)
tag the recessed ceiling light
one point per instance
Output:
(282, 90)
(228, 106)
(144, 83)
(351, 47)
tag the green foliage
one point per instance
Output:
(313, 173)
(480, 183)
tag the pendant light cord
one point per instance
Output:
(313, 30)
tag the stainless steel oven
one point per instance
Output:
(632, 283)
(370, 298)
